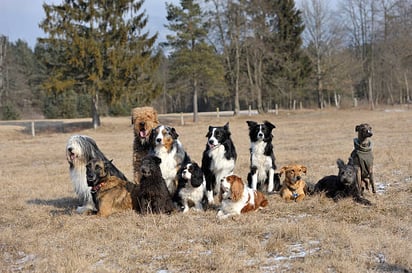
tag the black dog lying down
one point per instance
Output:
(342, 185)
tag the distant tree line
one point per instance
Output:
(97, 59)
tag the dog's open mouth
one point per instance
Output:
(143, 133)
(213, 146)
(72, 156)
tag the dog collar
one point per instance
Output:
(362, 147)
(295, 195)
(97, 188)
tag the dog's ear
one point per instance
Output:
(173, 133)
(304, 169)
(269, 125)
(107, 164)
(226, 127)
(357, 128)
(350, 161)
(283, 169)
(340, 163)
(251, 123)
(237, 189)
(209, 131)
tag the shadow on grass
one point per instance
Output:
(393, 268)
(64, 206)
(47, 126)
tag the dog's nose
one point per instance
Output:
(211, 142)
(145, 171)
(260, 135)
(70, 149)
(158, 140)
(142, 123)
(298, 177)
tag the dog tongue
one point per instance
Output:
(142, 134)
(72, 156)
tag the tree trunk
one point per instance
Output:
(195, 107)
(408, 98)
(95, 111)
(370, 95)
(237, 73)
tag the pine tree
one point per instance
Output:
(193, 62)
(99, 48)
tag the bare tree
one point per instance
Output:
(318, 36)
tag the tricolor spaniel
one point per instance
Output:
(166, 146)
(238, 198)
(218, 159)
(191, 187)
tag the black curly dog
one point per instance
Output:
(153, 196)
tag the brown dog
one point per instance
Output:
(362, 157)
(144, 119)
(110, 193)
(293, 187)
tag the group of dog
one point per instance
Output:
(166, 179)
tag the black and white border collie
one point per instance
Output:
(191, 187)
(218, 159)
(166, 145)
(262, 157)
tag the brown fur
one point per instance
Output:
(144, 119)
(239, 192)
(110, 193)
(294, 187)
(364, 171)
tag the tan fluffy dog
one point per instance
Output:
(110, 193)
(144, 119)
(293, 187)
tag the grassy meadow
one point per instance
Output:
(41, 232)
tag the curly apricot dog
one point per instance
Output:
(144, 119)
(294, 187)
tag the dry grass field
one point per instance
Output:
(41, 232)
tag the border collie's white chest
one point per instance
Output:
(261, 161)
(218, 160)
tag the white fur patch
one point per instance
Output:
(263, 164)
(220, 166)
(195, 195)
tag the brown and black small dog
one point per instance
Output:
(362, 157)
(342, 185)
(110, 193)
(293, 187)
(144, 119)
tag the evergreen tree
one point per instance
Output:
(99, 48)
(194, 63)
(289, 66)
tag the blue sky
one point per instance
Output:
(19, 19)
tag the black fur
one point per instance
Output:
(153, 195)
(342, 185)
(190, 178)
(262, 133)
(216, 136)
